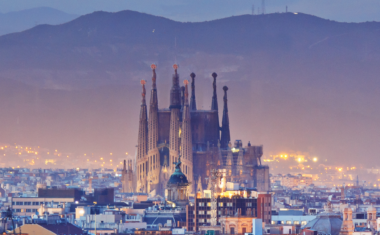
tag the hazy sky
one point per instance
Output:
(200, 10)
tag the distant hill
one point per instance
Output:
(297, 82)
(18, 21)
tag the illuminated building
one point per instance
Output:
(293, 181)
(236, 224)
(30, 205)
(235, 203)
(194, 134)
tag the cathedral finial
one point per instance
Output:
(193, 104)
(178, 163)
(153, 67)
(143, 82)
(175, 67)
(225, 89)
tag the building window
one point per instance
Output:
(19, 203)
(209, 212)
(288, 222)
(229, 204)
(201, 204)
(273, 222)
(249, 204)
(209, 203)
(220, 203)
(35, 203)
(27, 203)
(28, 210)
(219, 212)
(296, 222)
(303, 222)
(201, 212)
(201, 220)
(208, 220)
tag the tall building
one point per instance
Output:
(196, 135)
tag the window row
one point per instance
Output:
(290, 222)
(24, 210)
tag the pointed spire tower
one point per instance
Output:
(186, 137)
(214, 102)
(152, 161)
(193, 103)
(142, 142)
(214, 106)
(175, 108)
(124, 178)
(225, 138)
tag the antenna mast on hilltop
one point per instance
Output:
(263, 6)
(253, 9)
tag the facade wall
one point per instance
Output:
(264, 208)
(200, 213)
(236, 225)
(29, 205)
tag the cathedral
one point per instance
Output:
(194, 135)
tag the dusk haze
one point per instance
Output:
(190, 117)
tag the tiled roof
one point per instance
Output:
(63, 228)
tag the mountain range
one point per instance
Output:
(297, 83)
(17, 21)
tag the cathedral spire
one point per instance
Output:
(193, 103)
(142, 142)
(186, 137)
(225, 138)
(214, 104)
(153, 67)
(175, 115)
(175, 92)
(153, 112)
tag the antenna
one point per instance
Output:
(286, 9)
(263, 6)
(175, 50)
(253, 9)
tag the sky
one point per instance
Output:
(202, 10)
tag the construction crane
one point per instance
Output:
(90, 182)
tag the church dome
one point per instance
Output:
(326, 223)
(178, 178)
